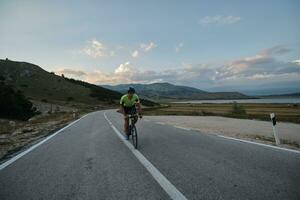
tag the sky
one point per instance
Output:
(225, 45)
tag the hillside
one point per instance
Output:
(41, 85)
(167, 91)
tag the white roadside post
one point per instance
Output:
(273, 118)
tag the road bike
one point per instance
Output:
(132, 129)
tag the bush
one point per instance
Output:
(70, 99)
(24, 85)
(13, 104)
(238, 109)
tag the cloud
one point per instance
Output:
(263, 67)
(279, 50)
(94, 49)
(178, 47)
(297, 62)
(135, 54)
(71, 72)
(219, 19)
(263, 63)
(148, 47)
(123, 68)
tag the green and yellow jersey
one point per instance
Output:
(126, 102)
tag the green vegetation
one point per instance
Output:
(284, 112)
(13, 104)
(36, 83)
(238, 109)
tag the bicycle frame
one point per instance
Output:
(131, 118)
(132, 129)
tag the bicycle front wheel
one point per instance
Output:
(134, 137)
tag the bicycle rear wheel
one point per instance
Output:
(134, 137)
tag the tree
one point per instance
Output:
(13, 104)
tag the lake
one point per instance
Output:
(267, 100)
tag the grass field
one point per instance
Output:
(284, 112)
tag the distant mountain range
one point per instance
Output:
(167, 91)
(41, 85)
(291, 95)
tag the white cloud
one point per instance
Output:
(123, 68)
(148, 47)
(261, 67)
(72, 72)
(135, 54)
(94, 49)
(219, 19)
(297, 62)
(178, 47)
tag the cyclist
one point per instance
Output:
(129, 103)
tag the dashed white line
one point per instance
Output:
(184, 128)
(161, 123)
(169, 188)
(180, 127)
(265, 145)
(13, 159)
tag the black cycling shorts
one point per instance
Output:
(130, 110)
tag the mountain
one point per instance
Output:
(290, 95)
(167, 91)
(41, 85)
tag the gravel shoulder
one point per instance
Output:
(289, 133)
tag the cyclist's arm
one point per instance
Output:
(121, 109)
(122, 106)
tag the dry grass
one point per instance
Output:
(284, 112)
(15, 137)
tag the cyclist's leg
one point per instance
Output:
(126, 120)
(126, 124)
(134, 111)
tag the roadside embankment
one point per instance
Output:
(289, 133)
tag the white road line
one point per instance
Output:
(170, 189)
(265, 145)
(180, 127)
(13, 159)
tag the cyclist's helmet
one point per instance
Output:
(131, 90)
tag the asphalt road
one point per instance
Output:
(88, 160)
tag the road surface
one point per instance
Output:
(88, 160)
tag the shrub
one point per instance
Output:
(70, 99)
(24, 85)
(238, 109)
(13, 104)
